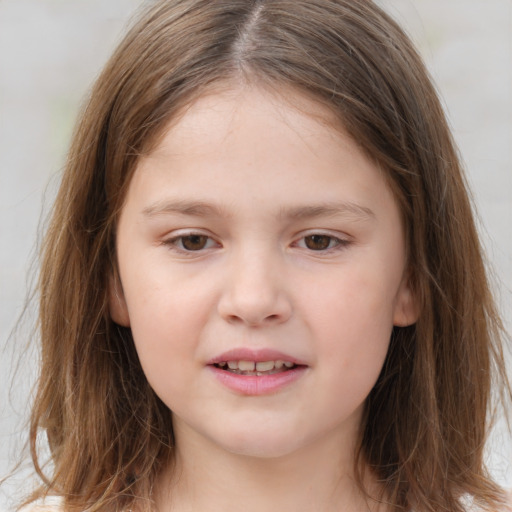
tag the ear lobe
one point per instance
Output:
(117, 302)
(407, 310)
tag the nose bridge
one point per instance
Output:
(255, 292)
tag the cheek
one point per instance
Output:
(353, 304)
(168, 313)
(158, 326)
(163, 304)
(352, 321)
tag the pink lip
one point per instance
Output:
(256, 355)
(255, 385)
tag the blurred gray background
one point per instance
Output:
(51, 51)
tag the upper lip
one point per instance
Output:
(256, 355)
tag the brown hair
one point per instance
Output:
(426, 420)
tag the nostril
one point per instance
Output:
(253, 319)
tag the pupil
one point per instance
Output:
(318, 242)
(194, 242)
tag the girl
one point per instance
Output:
(262, 284)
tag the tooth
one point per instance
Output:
(222, 364)
(264, 366)
(279, 364)
(246, 366)
(288, 364)
(233, 365)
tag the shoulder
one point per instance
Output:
(41, 508)
(51, 505)
(470, 505)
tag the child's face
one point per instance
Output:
(256, 233)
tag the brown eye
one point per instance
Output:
(318, 242)
(194, 242)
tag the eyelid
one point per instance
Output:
(172, 238)
(342, 240)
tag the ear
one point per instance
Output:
(406, 310)
(117, 302)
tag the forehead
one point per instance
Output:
(275, 150)
(248, 124)
(230, 101)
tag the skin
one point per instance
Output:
(297, 246)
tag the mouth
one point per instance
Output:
(253, 368)
(256, 372)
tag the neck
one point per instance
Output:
(317, 478)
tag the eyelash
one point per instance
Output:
(333, 243)
(176, 241)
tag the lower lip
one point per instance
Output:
(255, 385)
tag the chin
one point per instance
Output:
(272, 444)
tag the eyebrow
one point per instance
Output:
(204, 209)
(183, 207)
(333, 209)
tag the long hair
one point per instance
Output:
(426, 420)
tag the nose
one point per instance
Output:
(254, 292)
